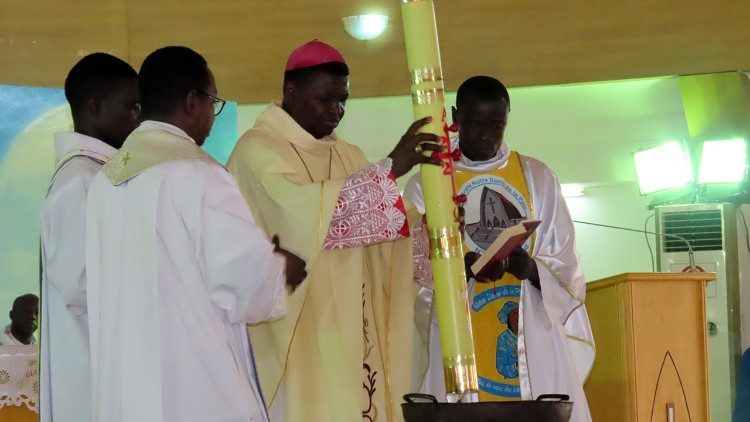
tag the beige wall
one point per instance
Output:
(527, 43)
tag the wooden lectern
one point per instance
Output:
(651, 359)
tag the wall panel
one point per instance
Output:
(525, 42)
(41, 40)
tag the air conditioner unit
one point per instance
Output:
(712, 231)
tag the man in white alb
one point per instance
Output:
(176, 265)
(102, 91)
(530, 326)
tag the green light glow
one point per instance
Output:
(723, 161)
(664, 167)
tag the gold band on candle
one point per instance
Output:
(445, 243)
(427, 96)
(460, 374)
(426, 74)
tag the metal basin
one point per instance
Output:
(546, 408)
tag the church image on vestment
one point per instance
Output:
(495, 214)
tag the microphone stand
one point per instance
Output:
(691, 256)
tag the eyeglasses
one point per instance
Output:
(217, 102)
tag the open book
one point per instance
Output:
(509, 239)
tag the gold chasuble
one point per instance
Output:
(344, 350)
(495, 200)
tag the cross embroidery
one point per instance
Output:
(125, 159)
(491, 202)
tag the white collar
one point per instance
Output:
(158, 125)
(9, 334)
(284, 126)
(498, 161)
(67, 142)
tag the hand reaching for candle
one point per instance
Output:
(411, 148)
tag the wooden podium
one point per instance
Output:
(651, 360)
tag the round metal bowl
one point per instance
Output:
(546, 408)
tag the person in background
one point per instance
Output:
(23, 322)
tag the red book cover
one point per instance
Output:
(510, 238)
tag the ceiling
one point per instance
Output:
(523, 42)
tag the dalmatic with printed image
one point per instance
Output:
(494, 201)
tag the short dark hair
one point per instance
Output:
(483, 88)
(167, 75)
(302, 76)
(23, 299)
(95, 75)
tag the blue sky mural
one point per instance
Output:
(21, 105)
(27, 157)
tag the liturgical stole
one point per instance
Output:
(495, 200)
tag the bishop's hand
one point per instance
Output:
(411, 148)
(294, 267)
